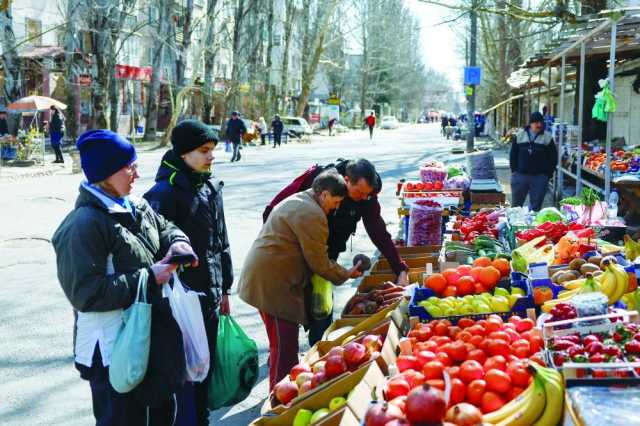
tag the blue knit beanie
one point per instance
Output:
(103, 153)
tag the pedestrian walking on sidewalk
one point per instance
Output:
(370, 121)
(234, 132)
(262, 127)
(330, 125)
(361, 202)
(295, 239)
(4, 126)
(55, 133)
(104, 247)
(277, 127)
(187, 194)
(533, 159)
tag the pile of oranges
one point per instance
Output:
(481, 277)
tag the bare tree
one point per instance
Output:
(71, 74)
(290, 18)
(11, 89)
(209, 60)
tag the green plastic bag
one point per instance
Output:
(235, 369)
(321, 297)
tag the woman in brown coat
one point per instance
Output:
(292, 246)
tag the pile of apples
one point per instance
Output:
(423, 186)
(467, 279)
(486, 360)
(340, 359)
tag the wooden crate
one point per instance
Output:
(417, 262)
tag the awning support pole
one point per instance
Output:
(612, 86)
(580, 121)
(561, 127)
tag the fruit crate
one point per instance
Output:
(357, 386)
(591, 325)
(382, 266)
(599, 402)
(521, 307)
(369, 282)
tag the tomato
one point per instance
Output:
(450, 291)
(493, 325)
(501, 335)
(509, 326)
(444, 359)
(454, 372)
(522, 352)
(479, 288)
(441, 340)
(499, 347)
(444, 348)
(425, 356)
(484, 345)
(477, 330)
(465, 285)
(491, 401)
(476, 341)
(424, 333)
(525, 325)
(441, 329)
(475, 390)
(431, 346)
(457, 351)
(495, 317)
(536, 343)
(458, 392)
(471, 370)
(514, 392)
(477, 355)
(482, 261)
(446, 322)
(465, 336)
(475, 273)
(464, 270)
(497, 380)
(433, 370)
(436, 383)
(454, 331)
(465, 322)
(519, 376)
(470, 347)
(495, 362)
(515, 319)
(436, 282)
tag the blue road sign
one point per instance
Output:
(472, 75)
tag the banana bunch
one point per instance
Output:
(613, 282)
(541, 404)
(631, 248)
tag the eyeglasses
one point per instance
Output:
(131, 168)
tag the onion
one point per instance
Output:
(464, 414)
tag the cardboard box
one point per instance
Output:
(359, 324)
(371, 282)
(382, 264)
(342, 417)
(359, 386)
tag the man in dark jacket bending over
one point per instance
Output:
(533, 159)
(363, 184)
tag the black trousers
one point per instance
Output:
(263, 138)
(58, 151)
(201, 390)
(370, 132)
(277, 137)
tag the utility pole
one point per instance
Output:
(471, 89)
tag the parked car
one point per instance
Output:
(296, 126)
(389, 122)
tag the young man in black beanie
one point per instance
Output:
(186, 194)
(533, 159)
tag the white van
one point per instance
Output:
(296, 126)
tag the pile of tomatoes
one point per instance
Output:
(482, 277)
(486, 360)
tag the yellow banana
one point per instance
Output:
(622, 279)
(609, 285)
(554, 391)
(511, 407)
(574, 284)
(530, 412)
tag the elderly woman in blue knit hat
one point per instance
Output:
(102, 248)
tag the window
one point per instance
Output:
(33, 30)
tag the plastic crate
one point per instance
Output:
(519, 308)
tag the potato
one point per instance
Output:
(589, 267)
(576, 264)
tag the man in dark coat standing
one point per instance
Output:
(277, 127)
(55, 133)
(533, 159)
(234, 132)
(186, 194)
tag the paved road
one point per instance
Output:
(38, 384)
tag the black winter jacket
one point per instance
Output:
(235, 130)
(193, 201)
(535, 155)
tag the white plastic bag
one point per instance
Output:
(186, 309)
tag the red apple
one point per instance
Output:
(372, 342)
(303, 377)
(354, 355)
(285, 391)
(335, 366)
(297, 369)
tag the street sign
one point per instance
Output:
(472, 75)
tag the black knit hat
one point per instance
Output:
(191, 134)
(536, 117)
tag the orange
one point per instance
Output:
(502, 265)
(436, 282)
(482, 261)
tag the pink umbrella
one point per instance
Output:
(34, 103)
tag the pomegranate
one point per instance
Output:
(297, 369)
(396, 387)
(285, 391)
(425, 406)
(335, 366)
(397, 422)
(464, 414)
(372, 342)
(380, 413)
(355, 354)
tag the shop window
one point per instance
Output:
(33, 31)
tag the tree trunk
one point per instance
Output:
(209, 61)
(71, 71)
(308, 73)
(153, 97)
(231, 100)
(183, 48)
(114, 97)
(267, 99)
(288, 33)
(10, 63)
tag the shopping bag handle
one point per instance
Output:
(142, 286)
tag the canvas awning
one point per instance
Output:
(36, 52)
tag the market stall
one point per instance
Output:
(511, 318)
